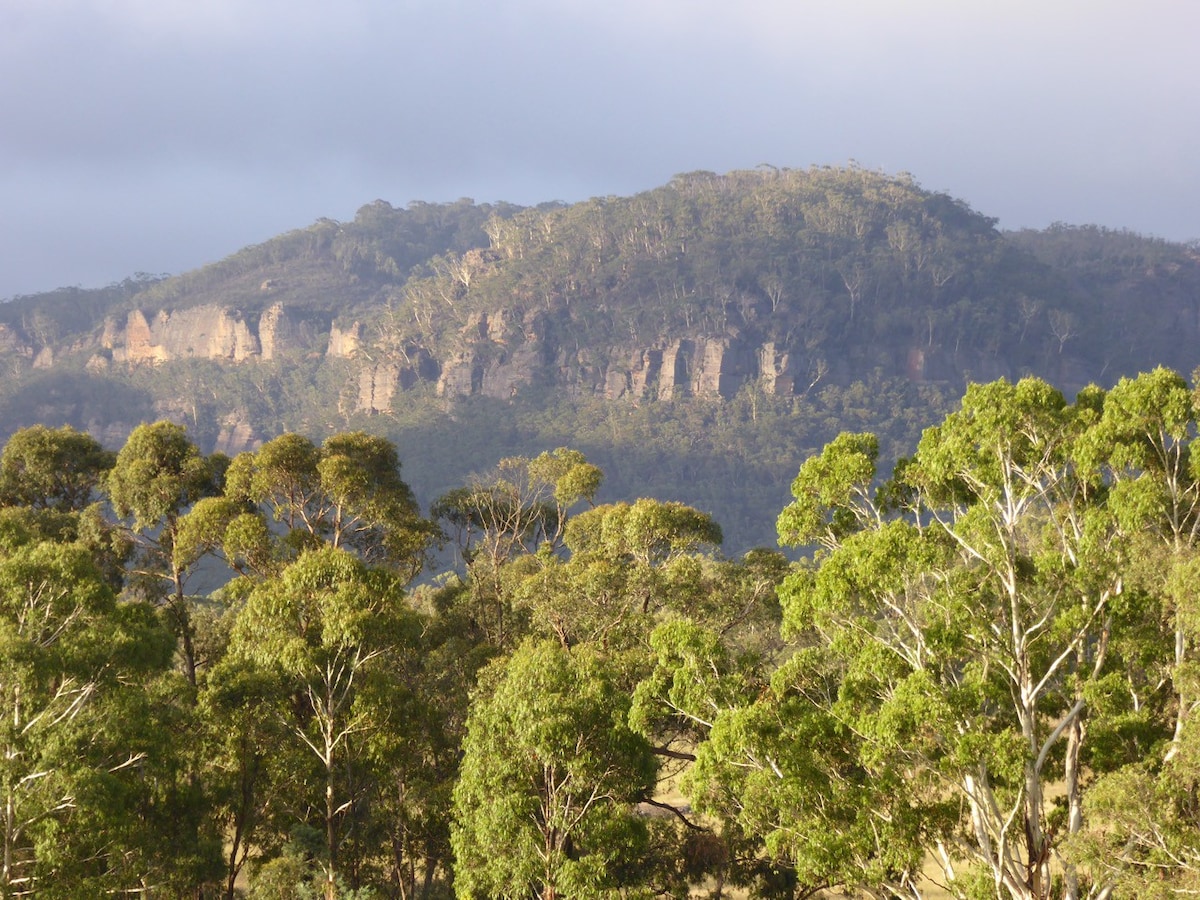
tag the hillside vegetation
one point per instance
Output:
(977, 680)
(697, 340)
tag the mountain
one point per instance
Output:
(697, 340)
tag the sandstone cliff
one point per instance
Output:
(497, 355)
(210, 332)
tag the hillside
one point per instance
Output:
(697, 340)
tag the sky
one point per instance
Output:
(161, 135)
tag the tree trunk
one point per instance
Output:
(179, 609)
(1074, 786)
(431, 864)
(330, 831)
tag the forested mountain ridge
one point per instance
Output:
(977, 679)
(715, 329)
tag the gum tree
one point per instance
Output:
(1140, 837)
(550, 775)
(158, 475)
(336, 635)
(347, 493)
(952, 630)
(71, 661)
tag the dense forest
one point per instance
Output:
(586, 642)
(696, 341)
(977, 678)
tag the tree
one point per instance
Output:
(952, 629)
(1140, 836)
(348, 493)
(158, 475)
(698, 675)
(550, 775)
(52, 468)
(524, 503)
(416, 753)
(72, 661)
(628, 563)
(523, 507)
(247, 760)
(335, 631)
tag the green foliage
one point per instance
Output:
(82, 732)
(52, 468)
(76, 398)
(1013, 609)
(348, 493)
(158, 473)
(54, 315)
(956, 654)
(550, 776)
(648, 532)
(832, 492)
(338, 636)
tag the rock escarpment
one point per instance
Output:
(496, 355)
(500, 356)
(501, 353)
(210, 332)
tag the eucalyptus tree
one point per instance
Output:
(337, 635)
(250, 770)
(324, 537)
(156, 478)
(626, 565)
(414, 758)
(73, 763)
(521, 508)
(347, 493)
(1146, 440)
(52, 468)
(1140, 837)
(551, 774)
(640, 584)
(952, 631)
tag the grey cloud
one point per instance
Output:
(169, 133)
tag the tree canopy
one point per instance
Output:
(973, 673)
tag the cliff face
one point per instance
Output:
(210, 332)
(508, 351)
(500, 355)
(13, 343)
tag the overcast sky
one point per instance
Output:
(161, 135)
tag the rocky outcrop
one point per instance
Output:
(376, 386)
(208, 332)
(201, 332)
(378, 382)
(774, 367)
(504, 351)
(236, 436)
(462, 376)
(512, 370)
(344, 343)
(12, 342)
(280, 332)
(696, 367)
(495, 354)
